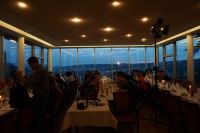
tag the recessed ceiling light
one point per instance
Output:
(144, 19)
(116, 3)
(83, 36)
(108, 29)
(76, 20)
(105, 40)
(128, 35)
(66, 40)
(144, 39)
(22, 4)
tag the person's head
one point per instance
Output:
(2, 83)
(33, 62)
(9, 83)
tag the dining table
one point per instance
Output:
(183, 93)
(95, 114)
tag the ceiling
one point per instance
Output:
(49, 19)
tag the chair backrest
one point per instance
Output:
(191, 114)
(165, 94)
(121, 102)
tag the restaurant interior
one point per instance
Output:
(104, 66)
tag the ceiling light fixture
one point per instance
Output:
(108, 29)
(76, 20)
(83, 36)
(116, 3)
(66, 40)
(144, 19)
(105, 40)
(144, 39)
(128, 35)
(22, 4)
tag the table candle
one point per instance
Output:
(190, 86)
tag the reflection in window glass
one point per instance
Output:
(68, 60)
(181, 59)
(196, 42)
(137, 58)
(85, 61)
(169, 66)
(103, 61)
(150, 58)
(160, 58)
(120, 59)
(169, 49)
(169, 60)
(45, 58)
(56, 60)
(10, 58)
(27, 54)
(38, 53)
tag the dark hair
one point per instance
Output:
(32, 59)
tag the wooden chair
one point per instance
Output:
(122, 110)
(191, 116)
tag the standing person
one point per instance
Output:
(39, 83)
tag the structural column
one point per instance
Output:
(174, 60)
(146, 58)
(1, 57)
(50, 59)
(156, 57)
(129, 61)
(190, 58)
(42, 56)
(33, 50)
(21, 54)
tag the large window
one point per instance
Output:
(68, 60)
(56, 60)
(27, 54)
(10, 57)
(150, 57)
(197, 58)
(181, 59)
(85, 61)
(103, 61)
(137, 58)
(45, 58)
(38, 53)
(169, 60)
(120, 59)
(160, 58)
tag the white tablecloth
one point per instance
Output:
(93, 115)
(179, 91)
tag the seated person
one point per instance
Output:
(2, 85)
(90, 89)
(163, 76)
(125, 83)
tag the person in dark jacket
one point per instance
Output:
(39, 83)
